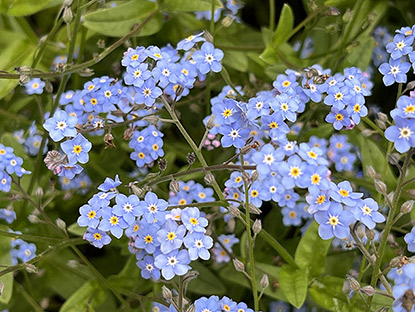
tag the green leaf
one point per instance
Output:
(311, 251)
(119, 20)
(293, 283)
(15, 53)
(359, 54)
(88, 296)
(188, 5)
(285, 26)
(5, 261)
(22, 7)
(75, 229)
(206, 283)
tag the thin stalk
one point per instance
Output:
(250, 244)
(181, 294)
(271, 15)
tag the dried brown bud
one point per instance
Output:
(86, 72)
(383, 117)
(381, 124)
(48, 86)
(191, 158)
(162, 164)
(332, 11)
(192, 308)
(23, 79)
(109, 140)
(138, 191)
(209, 178)
(128, 133)
(370, 234)
(61, 224)
(254, 176)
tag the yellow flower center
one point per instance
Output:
(92, 214)
(114, 220)
(171, 236)
(273, 125)
(193, 221)
(339, 117)
(344, 193)
(334, 221)
(148, 239)
(97, 236)
(321, 199)
(77, 149)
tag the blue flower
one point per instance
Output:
(198, 244)
(173, 263)
(136, 76)
(288, 198)
(9, 215)
(258, 106)
(148, 269)
(275, 125)
(110, 184)
(101, 199)
(210, 304)
(202, 194)
(410, 240)
(35, 86)
(357, 110)
(318, 201)
(334, 222)
(339, 118)
(111, 222)
(227, 304)
(234, 134)
(187, 43)
(154, 208)
(61, 125)
(402, 134)
(317, 178)
(286, 105)
(77, 149)
(235, 180)
(405, 109)
(283, 82)
(292, 216)
(293, 172)
(163, 73)
(400, 46)
(70, 171)
(208, 58)
(337, 96)
(394, 71)
(147, 93)
(90, 216)
(127, 207)
(193, 221)
(267, 160)
(147, 237)
(366, 212)
(170, 236)
(134, 57)
(271, 188)
(97, 238)
(343, 193)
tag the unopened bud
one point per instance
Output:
(234, 211)
(381, 124)
(390, 197)
(211, 122)
(394, 158)
(368, 290)
(208, 36)
(366, 133)
(370, 234)
(101, 43)
(128, 133)
(67, 15)
(353, 283)
(360, 232)
(179, 90)
(257, 226)
(239, 266)
(67, 2)
(227, 21)
(380, 186)
(166, 293)
(61, 224)
(254, 209)
(152, 119)
(137, 191)
(394, 263)
(39, 192)
(1, 288)
(33, 218)
(174, 186)
(191, 275)
(332, 11)
(245, 150)
(246, 177)
(48, 86)
(254, 176)
(86, 72)
(230, 225)
(383, 117)
(264, 281)
(191, 158)
(23, 79)
(209, 178)
(44, 303)
(30, 268)
(371, 172)
(347, 15)
(407, 206)
(192, 308)
(162, 164)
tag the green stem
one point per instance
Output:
(271, 15)
(389, 222)
(29, 299)
(33, 238)
(250, 244)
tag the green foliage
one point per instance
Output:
(284, 27)
(188, 5)
(5, 260)
(87, 297)
(293, 283)
(22, 7)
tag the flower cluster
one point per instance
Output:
(162, 240)
(401, 57)
(221, 255)
(211, 304)
(403, 290)
(21, 250)
(9, 164)
(381, 37)
(31, 141)
(8, 214)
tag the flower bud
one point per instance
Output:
(371, 172)
(211, 122)
(209, 178)
(257, 226)
(101, 43)
(67, 2)
(394, 263)
(109, 140)
(192, 308)
(44, 303)
(245, 150)
(332, 11)
(246, 177)
(191, 158)
(390, 196)
(353, 283)
(370, 234)
(48, 86)
(239, 266)
(174, 186)
(30, 268)
(227, 21)
(254, 176)
(1, 288)
(61, 224)
(394, 158)
(179, 90)
(152, 119)
(128, 133)
(39, 192)
(368, 290)
(137, 191)
(383, 117)
(366, 133)
(380, 124)
(230, 226)
(407, 206)
(264, 281)
(166, 293)
(191, 275)
(67, 15)
(162, 164)
(234, 211)
(23, 79)
(33, 218)
(380, 187)
(360, 232)
(254, 209)
(208, 36)
(86, 72)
